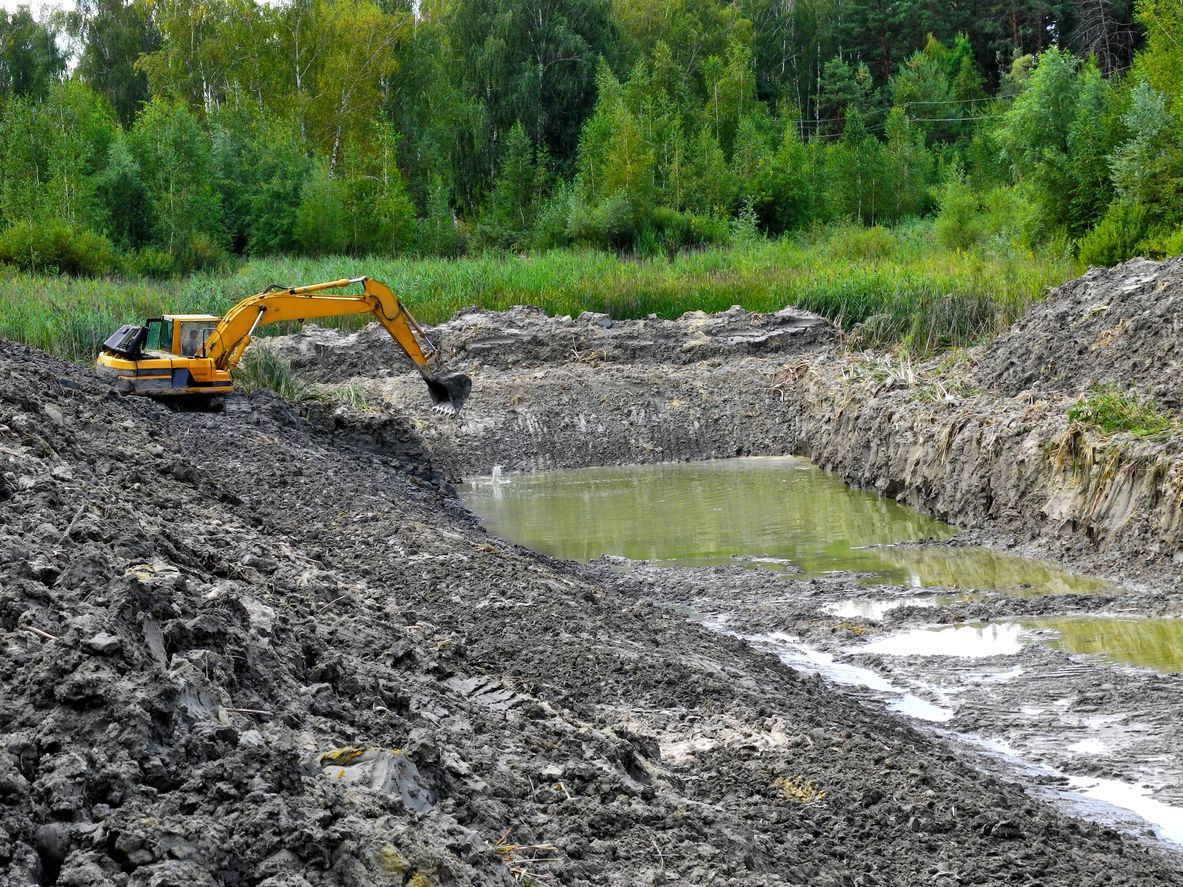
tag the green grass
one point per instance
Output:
(1111, 410)
(917, 293)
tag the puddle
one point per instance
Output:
(766, 513)
(803, 658)
(874, 608)
(1166, 821)
(962, 641)
(1150, 643)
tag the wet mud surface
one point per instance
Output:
(999, 671)
(272, 648)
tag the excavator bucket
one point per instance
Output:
(448, 391)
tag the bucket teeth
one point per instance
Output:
(448, 392)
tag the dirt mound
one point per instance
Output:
(243, 650)
(1122, 325)
(528, 337)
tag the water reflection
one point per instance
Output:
(1151, 643)
(760, 512)
(964, 641)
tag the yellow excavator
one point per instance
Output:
(191, 356)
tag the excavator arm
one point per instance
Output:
(228, 341)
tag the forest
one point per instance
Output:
(150, 137)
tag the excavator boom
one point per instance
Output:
(181, 355)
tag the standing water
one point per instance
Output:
(781, 511)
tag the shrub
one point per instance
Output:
(1162, 243)
(616, 221)
(1111, 409)
(550, 226)
(744, 228)
(201, 252)
(858, 243)
(148, 262)
(958, 225)
(1117, 236)
(55, 246)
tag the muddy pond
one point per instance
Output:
(767, 512)
(997, 682)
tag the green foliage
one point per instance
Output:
(958, 224)
(1162, 243)
(1035, 133)
(387, 128)
(861, 244)
(50, 246)
(114, 34)
(1148, 166)
(148, 262)
(173, 154)
(122, 197)
(1117, 237)
(438, 234)
(930, 296)
(261, 369)
(509, 218)
(1112, 409)
(30, 60)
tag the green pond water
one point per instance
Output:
(1149, 643)
(767, 512)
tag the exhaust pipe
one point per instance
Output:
(448, 391)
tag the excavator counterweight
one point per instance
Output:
(194, 355)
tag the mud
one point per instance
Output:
(270, 648)
(984, 666)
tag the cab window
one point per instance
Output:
(160, 335)
(194, 334)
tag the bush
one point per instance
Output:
(201, 253)
(858, 243)
(1162, 243)
(148, 262)
(708, 230)
(616, 221)
(958, 224)
(551, 225)
(1117, 236)
(55, 246)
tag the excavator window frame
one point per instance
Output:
(190, 345)
(159, 327)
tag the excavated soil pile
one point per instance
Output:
(253, 649)
(1121, 325)
(564, 393)
(525, 337)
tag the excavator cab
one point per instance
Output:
(183, 355)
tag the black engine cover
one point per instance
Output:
(127, 341)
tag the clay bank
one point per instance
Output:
(276, 648)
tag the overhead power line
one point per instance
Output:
(954, 119)
(992, 98)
